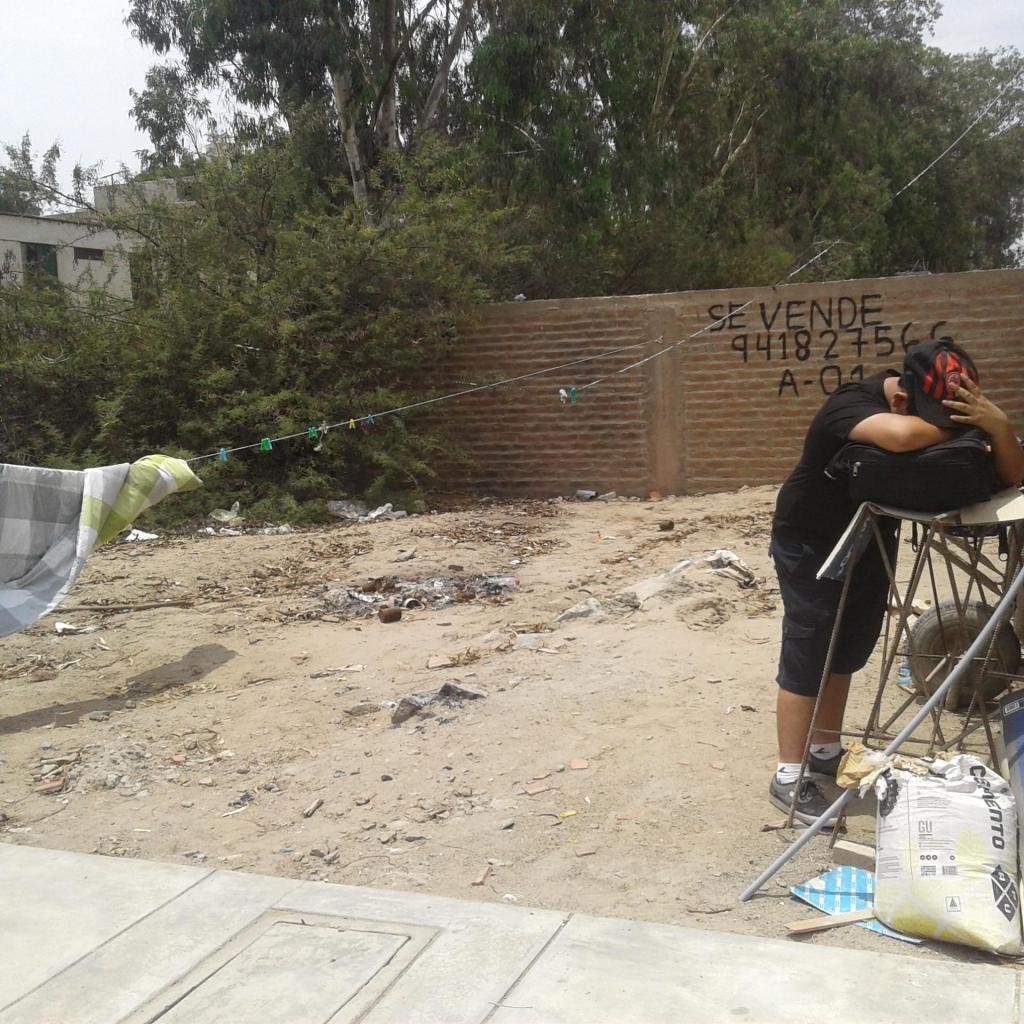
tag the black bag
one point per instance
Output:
(938, 479)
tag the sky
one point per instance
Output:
(66, 67)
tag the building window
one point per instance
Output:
(40, 261)
(88, 254)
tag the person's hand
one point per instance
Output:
(971, 408)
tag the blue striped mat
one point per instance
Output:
(843, 889)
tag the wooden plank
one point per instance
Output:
(820, 924)
(854, 855)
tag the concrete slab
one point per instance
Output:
(599, 970)
(56, 907)
(291, 974)
(478, 954)
(131, 968)
(91, 940)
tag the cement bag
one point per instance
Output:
(947, 856)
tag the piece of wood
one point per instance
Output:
(127, 607)
(825, 921)
(854, 855)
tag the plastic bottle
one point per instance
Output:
(904, 678)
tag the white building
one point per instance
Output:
(74, 252)
(134, 195)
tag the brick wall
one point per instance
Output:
(726, 409)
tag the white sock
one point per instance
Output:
(787, 773)
(823, 751)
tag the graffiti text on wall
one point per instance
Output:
(821, 344)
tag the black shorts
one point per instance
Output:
(810, 607)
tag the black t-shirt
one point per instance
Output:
(810, 502)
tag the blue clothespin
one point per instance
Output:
(572, 396)
(223, 456)
(369, 420)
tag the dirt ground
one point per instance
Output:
(618, 764)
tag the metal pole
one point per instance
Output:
(1002, 610)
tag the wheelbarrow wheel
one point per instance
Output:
(938, 635)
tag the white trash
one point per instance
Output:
(135, 536)
(946, 863)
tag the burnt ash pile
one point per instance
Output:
(436, 592)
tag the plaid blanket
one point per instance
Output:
(52, 519)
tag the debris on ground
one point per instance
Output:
(847, 889)
(450, 695)
(228, 517)
(138, 536)
(854, 855)
(313, 808)
(384, 512)
(586, 609)
(66, 629)
(435, 592)
(348, 510)
(725, 563)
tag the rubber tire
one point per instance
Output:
(929, 642)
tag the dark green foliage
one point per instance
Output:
(399, 162)
(269, 307)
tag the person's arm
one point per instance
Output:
(896, 433)
(972, 408)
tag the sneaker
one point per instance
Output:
(811, 803)
(827, 767)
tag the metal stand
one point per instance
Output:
(1001, 613)
(950, 565)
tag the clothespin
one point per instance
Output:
(369, 420)
(266, 445)
(223, 456)
(313, 434)
(572, 396)
(351, 424)
(563, 395)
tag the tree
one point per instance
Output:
(28, 188)
(692, 144)
(24, 187)
(171, 111)
(383, 66)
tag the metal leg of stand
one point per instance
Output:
(1001, 612)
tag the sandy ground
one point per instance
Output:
(617, 765)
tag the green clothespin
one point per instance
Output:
(572, 396)
(266, 445)
(313, 434)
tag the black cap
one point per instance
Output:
(932, 372)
